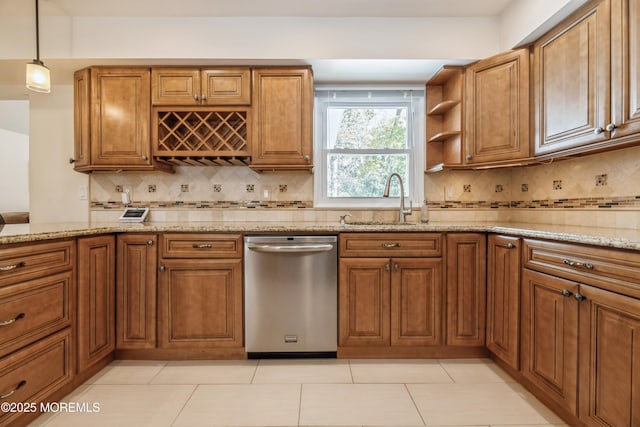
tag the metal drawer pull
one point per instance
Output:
(391, 245)
(566, 293)
(9, 393)
(13, 266)
(570, 263)
(10, 321)
(580, 297)
(202, 246)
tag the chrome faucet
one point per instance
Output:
(402, 217)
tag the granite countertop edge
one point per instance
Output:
(598, 236)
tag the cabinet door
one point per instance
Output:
(609, 359)
(96, 299)
(503, 298)
(550, 336)
(283, 118)
(136, 291)
(572, 82)
(228, 86)
(82, 118)
(497, 108)
(175, 86)
(416, 301)
(625, 67)
(200, 304)
(466, 289)
(121, 112)
(363, 302)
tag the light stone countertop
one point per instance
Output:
(607, 237)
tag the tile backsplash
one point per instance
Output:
(600, 189)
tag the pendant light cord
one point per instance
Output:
(37, 34)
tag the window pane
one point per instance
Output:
(353, 175)
(367, 127)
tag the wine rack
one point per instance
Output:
(190, 136)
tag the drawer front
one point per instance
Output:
(34, 309)
(391, 244)
(18, 263)
(33, 373)
(201, 246)
(616, 270)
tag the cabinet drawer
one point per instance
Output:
(201, 246)
(18, 263)
(34, 309)
(613, 269)
(33, 373)
(391, 244)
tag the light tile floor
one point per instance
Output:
(320, 392)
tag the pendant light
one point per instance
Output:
(38, 78)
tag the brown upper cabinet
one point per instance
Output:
(282, 104)
(111, 120)
(586, 71)
(200, 86)
(497, 109)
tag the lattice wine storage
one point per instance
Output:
(202, 136)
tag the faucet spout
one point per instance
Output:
(402, 217)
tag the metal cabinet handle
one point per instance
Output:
(15, 319)
(571, 263)
(307, 158)
(396, 267)
(469, 157)
(204, 98)
(12, 266)
(9, 393)
(390, 245)
(387, 267)
(150, 242)
(579, 297)
(598, 130)
(566, 293)
(196, 98)
(163, 268)
(610, 127)
(202, 246)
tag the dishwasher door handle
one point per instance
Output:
(290, 248)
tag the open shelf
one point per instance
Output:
(444, 118)
(443, 107)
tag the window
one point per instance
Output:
(363, 136)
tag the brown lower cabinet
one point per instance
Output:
(96, 299)
(390, 302)
(503, 298)
(200, 296)
(550, 336)
(136, 273)
(403, 306)
(200, 304)
(609, 359)
(580, 330)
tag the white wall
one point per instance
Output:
(14, 156)
(53, 182)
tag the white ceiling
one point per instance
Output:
(308, 8)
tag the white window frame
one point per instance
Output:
(414, 189)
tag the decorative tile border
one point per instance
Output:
(577, 203)
(250, 204)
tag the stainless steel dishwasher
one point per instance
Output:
(291, 296)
